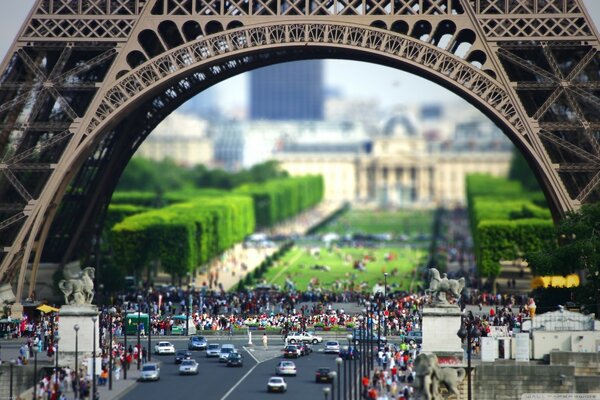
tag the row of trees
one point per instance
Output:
(198, 225)
(507, 221)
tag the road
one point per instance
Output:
(217, 381)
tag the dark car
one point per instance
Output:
(197, 343)
(323, 375)
(305, 348)
(291, 351)
(349, 353)
(235, 360)
(182, 355)
(414, 337)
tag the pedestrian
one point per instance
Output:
(144, 355)
(265, 341)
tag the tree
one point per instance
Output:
(578, 251)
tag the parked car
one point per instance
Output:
(197, 343)
(235, 360)
(291, 351)
(182, 355)
(226, 350)
(276, 384)
(332, 346)
(213, 350)
(306, 337)
(323, 375)
(164, 348)
(414, 337)
(286, 368)
(188, 367)
(150, 372)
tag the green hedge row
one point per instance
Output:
(506, 221)
(279, 199)
(184, 235)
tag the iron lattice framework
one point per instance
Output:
(87, 80)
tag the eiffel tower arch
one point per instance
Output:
(86, 81)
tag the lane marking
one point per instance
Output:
(251, 355)
(290, 263)
(243, 377)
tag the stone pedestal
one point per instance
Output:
(440, 327)
(68, 317)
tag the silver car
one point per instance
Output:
(150, 372)
(225, 352)
(188, 367)
(213, 350)
(276, 384)
(286, 368)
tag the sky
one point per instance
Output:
(353, 79)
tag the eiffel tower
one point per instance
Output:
(85, 82)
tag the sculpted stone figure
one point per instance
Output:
(79, 290)
(439, 287)
(429, 377)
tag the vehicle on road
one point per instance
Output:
(332, 346)
(188, 367)
(414, 337)
(323, 375)
(363, 335)
(235, 360)
(286, 368)
(197, 343)
(182, 355)
(164, 348)
(149, 372)
(276, 384)
(349, 353)
(306, 337)
(291, 351)
(305, 348)
(226, 350)
(213, 350)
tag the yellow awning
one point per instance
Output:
(555, 281)
(45, 308)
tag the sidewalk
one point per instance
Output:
(10, 350)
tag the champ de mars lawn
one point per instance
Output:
(407, 222)
(297, 266)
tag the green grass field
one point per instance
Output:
(407, 222)
(297, 265)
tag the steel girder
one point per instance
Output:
(87, 80)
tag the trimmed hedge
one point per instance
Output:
(506, 221)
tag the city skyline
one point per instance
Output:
(386, 85)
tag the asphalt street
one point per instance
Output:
(217, 381)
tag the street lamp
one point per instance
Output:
(348, 375)
(326, 391)
(111, 313)
(12, 364)
(76, 328)
(36, 348)
(339, 362)
(355, 386)
(333, 375)
(94, 319)
(385, 275)
(362, 337)
(139, 347)
(56, 338)
(149, 330)
(468, 330)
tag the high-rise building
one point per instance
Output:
(288, 91)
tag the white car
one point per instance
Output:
(286, 368)
(305, 337)
(225, 351)
(150, 372)
(331, 346)
(164, 348)
(276, 384)
(188, 367)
